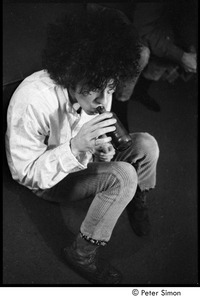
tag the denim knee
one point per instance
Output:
(126, 176)
(149, 145)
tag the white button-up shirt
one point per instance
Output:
(40, 124)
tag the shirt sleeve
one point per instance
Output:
(153, 25)
(31, 161)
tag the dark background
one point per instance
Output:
(24, 32)
(34, 231)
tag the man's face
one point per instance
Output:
(89, 101)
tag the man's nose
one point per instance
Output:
(102, 98)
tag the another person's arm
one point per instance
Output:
(153, 25)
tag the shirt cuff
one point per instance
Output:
(69, 163)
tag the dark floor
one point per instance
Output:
(36, 231)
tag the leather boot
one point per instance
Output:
(82, 257)
(138, 214)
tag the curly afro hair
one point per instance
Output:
(93, 48)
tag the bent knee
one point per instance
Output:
(126, 176)
(149, 144)
(144, 56)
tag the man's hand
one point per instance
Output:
(87, 137)
(189, 62)
(171, 74)
(104, 152)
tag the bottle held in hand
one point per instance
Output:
(121, 140)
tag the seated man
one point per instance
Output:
(55, 136)
(167, 32)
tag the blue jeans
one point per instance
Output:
(112, 185)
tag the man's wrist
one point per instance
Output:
(74, 149)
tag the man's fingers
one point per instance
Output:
(99, 118)
(101, 131)
(106, 157)
(105, 123)
(102, 141)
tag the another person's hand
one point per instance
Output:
(189, 62)
(104, 152)
(87, 137)
(171, 74)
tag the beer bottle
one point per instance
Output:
(121, 140)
